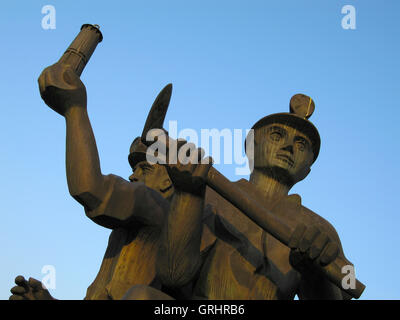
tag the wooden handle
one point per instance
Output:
(274, 226)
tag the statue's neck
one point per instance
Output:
(269, 187)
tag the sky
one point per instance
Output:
(231, 63)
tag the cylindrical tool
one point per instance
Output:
(81, 49)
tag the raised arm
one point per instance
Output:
(108, 200)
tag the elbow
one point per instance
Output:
(87, 199)
(88, 192)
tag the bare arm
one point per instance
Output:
(108, 200)
(85, 180)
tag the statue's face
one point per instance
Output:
(153, 176)
(283, 149)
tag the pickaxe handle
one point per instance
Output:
(274, 226)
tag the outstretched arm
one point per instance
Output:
(64, 92)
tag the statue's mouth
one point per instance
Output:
(286, 158)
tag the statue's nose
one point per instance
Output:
(288, 148)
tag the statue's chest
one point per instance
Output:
(135, 263)
(232, 274)
(232, 268)
(250, 262)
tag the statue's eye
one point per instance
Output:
(276, 136)
(301, 144)
(143, 168)
(147, 168)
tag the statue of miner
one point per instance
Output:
(243, 261)
(134, 210)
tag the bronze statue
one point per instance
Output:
(133, 210)
(173, 237)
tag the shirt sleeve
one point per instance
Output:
(126, 203)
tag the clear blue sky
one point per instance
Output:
(231, 63)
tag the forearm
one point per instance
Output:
(179, 252)
(85, 181)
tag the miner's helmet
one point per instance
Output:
(301, 108)
(137, 152)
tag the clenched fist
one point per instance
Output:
(31, 289)
(61, 88)
(190, 176)
(309, 245)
